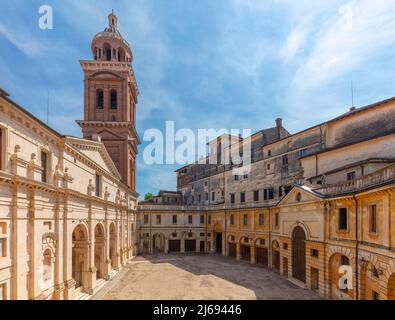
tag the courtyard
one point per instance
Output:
(198, 277)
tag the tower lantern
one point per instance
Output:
(110, 99)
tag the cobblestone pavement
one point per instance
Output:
(201, 277)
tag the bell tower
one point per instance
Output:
(110, 99)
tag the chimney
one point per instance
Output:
(279, 122)
(352, 108)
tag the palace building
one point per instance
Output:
(310, 206)
(68, 205)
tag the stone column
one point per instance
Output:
(182, 245)
(90, 277)
(67, 253)
(107, 259)
(238, 253)
(59, 284)
(166, 248)
(252, 253)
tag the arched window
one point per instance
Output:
(99, 99)
(113, 99)
(108, 54)
(47, 265)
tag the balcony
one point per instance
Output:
(375, 179)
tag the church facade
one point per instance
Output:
(68, 205)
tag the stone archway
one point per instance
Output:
(391, 287)
(299, 254)
(158, 242)
(80, 255)
(113, 246)
(100, 249)
(336, 261)
(245, 249)
(261, 253)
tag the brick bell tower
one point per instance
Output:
(110, 99)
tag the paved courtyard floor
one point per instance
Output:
(201, 277)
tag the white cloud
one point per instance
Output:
(295, 41)
(23, 41)
(361, 29)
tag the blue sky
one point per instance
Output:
(206, 64)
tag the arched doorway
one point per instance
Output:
(218, 243)
(113, 245)
(261, 253)
(232, 246)
(276, 256)
(245, 249)
(391, 287)
(158, 242)
(99, 251)
(299, 254)
(190, 242)
(80, 254)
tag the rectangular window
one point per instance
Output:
(245, 176)
(351, 176)
(236, 177)
(3, 248)
(373, 218)
(206, 196)
(261, 219)
(269, 153)
(343, 217)
(158, 219)
(190, 219)
(44, 166)
(201, 219)
(277, 220)
(242, 197)
(268, 194)
(193, 199)
(256, 195)
(285, 160)
(245, 219)
(97, 186)
(146, 219)
(212, 196)
(285, 246)
(174, 219)
(314, 253)
(232, 219)
(280, 191)
(268, 166)
(232, 198)
(200, 198)
(209, 219)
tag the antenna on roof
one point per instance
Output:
(48, 108)
(352, 96)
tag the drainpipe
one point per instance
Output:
(356, 248)
(270, 240)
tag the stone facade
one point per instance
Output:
(335, 210)
(68, 205)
